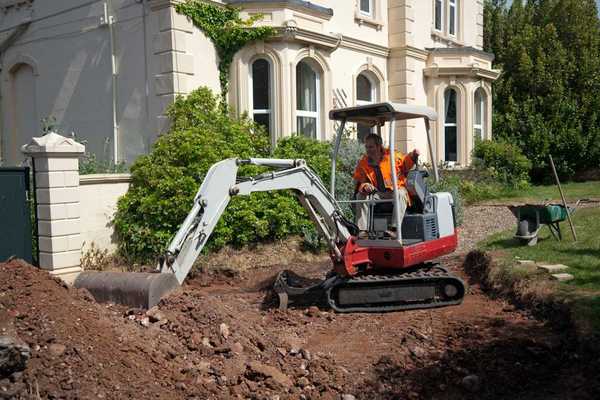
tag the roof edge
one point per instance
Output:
(297, 3)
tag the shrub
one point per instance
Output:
(165, 181)
(504, 161)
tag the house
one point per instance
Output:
(106, 70)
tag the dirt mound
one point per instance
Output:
(218, 338)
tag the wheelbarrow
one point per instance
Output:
(532, 217)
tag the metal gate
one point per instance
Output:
(15, 215)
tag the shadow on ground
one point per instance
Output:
(514, 365)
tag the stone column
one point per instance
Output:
(56, 166)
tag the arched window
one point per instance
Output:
(261, 93)
(366, 93)
(450, 125)
(307, 100)
(479, 108)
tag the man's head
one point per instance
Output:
(374, 146)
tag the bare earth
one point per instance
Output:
(221, 337)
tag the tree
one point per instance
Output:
(545, 99)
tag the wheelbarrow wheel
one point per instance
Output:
(525, 235)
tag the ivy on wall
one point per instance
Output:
(228, 32)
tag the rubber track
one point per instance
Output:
(431, 279)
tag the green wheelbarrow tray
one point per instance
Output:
(532, 217)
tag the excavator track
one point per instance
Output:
(423, 288)
(426, 287)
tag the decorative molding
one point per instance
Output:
(18, 60)
(462, 51)
(365, 47)
(297, 5)
(410, 51)
(97, 179)
(470, 71)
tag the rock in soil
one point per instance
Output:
(259, 369)
(57, 349)
(14, 354)
(224, 330)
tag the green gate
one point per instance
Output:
(15, 216)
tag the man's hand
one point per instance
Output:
(367, 188)
(415, 155)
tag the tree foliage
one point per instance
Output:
(228, 32)
(546, 100)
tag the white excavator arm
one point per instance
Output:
(221, 184)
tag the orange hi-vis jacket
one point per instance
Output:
(364, 173)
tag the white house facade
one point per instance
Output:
(107, 70)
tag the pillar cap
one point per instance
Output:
(53, 144)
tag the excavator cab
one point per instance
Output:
(418, 223)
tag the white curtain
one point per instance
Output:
(306, 87)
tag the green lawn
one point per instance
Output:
(582, 257)
(573, 191)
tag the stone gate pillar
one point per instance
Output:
(56, 165)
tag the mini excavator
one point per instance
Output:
(376, 273)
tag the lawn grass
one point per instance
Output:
(573, 191)
(582, 257)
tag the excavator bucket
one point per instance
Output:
(133, 289)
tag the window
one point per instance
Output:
(479, 107)
(261, 93)
(365, 94)
(446, 17)
(366, 7)
(307, 100)
(450, 126)
(452, 17)
(438, 15)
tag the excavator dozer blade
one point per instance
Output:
(133, 289)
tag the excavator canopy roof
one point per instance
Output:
(374, 114)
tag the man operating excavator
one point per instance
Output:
(373, 179)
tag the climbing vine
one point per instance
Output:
(228, 32)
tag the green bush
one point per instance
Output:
(165, 181)
(503, 161)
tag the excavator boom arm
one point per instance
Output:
(220, 185)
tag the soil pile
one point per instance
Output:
(220, 337)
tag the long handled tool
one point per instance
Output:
(562, 196)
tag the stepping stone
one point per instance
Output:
(526, 262)
(563, 277)
(553, 268)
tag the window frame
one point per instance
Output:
(269, 110)
(452, 11)
(310, 114)
(452, 125)
(442, 6)
(374, 95)
(371, 12)
(482, 108)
